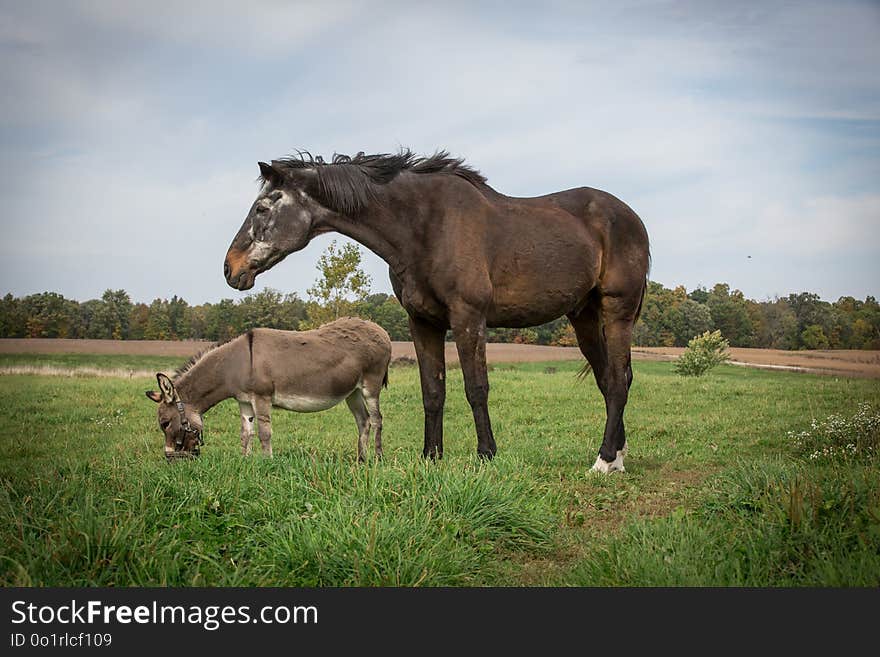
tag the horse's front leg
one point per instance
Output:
(428, 341)
(469, 330)
(263, 407)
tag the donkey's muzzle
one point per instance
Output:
(182, 455)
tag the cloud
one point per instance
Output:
(724, 126)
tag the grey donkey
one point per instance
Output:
(303, 371)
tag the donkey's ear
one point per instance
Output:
(169, 394)
(270, 174)
(155, 396)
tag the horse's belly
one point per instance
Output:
(304, 403)
(520, 303)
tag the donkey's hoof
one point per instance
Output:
(603, 466)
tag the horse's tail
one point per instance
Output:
(642, 300)
(585, 370)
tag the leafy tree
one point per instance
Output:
(566, 336)
(342, 287)
(690, 319)
(159, 322)
(656, 326)
(47, 315)
(112, 316)
(178, 318)
(386, 311)
(813, 337)
(223, 321)
(137, 321)
(195, 320)
(700, 295)
(13, 320)
(778, 327)
(730, 315)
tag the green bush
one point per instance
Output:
(702, 354)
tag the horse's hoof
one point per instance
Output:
(486, 456)
(603, 466)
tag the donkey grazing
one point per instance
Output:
(302, 371)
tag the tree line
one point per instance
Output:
(670, 317)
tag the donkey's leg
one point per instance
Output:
(470, 338)
(371, 397)
(247, 426)
(428, 341)
(358, 408)
(263, 406)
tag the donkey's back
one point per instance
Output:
(327, 363)
(309, 371)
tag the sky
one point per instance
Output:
(746, 135)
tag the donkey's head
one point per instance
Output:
(279, 222)
(179, 421)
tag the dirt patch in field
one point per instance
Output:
(593, 516)
(839, 362)
(834, 362)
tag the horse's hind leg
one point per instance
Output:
(358, 408)
(604, 331)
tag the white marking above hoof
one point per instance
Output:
(603, 466)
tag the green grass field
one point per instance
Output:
(715, 493)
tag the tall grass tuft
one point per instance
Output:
(295, 520)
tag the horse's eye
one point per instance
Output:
(164, 424)
(262, 209)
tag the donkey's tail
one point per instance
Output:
(385, 379)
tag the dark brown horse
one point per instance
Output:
(463, 256)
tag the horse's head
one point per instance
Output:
(279, 222)
(179, 421)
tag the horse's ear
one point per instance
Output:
(270, 174)
(169, 394)
(155, 396)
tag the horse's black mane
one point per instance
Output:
(347, 184)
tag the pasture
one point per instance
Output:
(716, 492)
